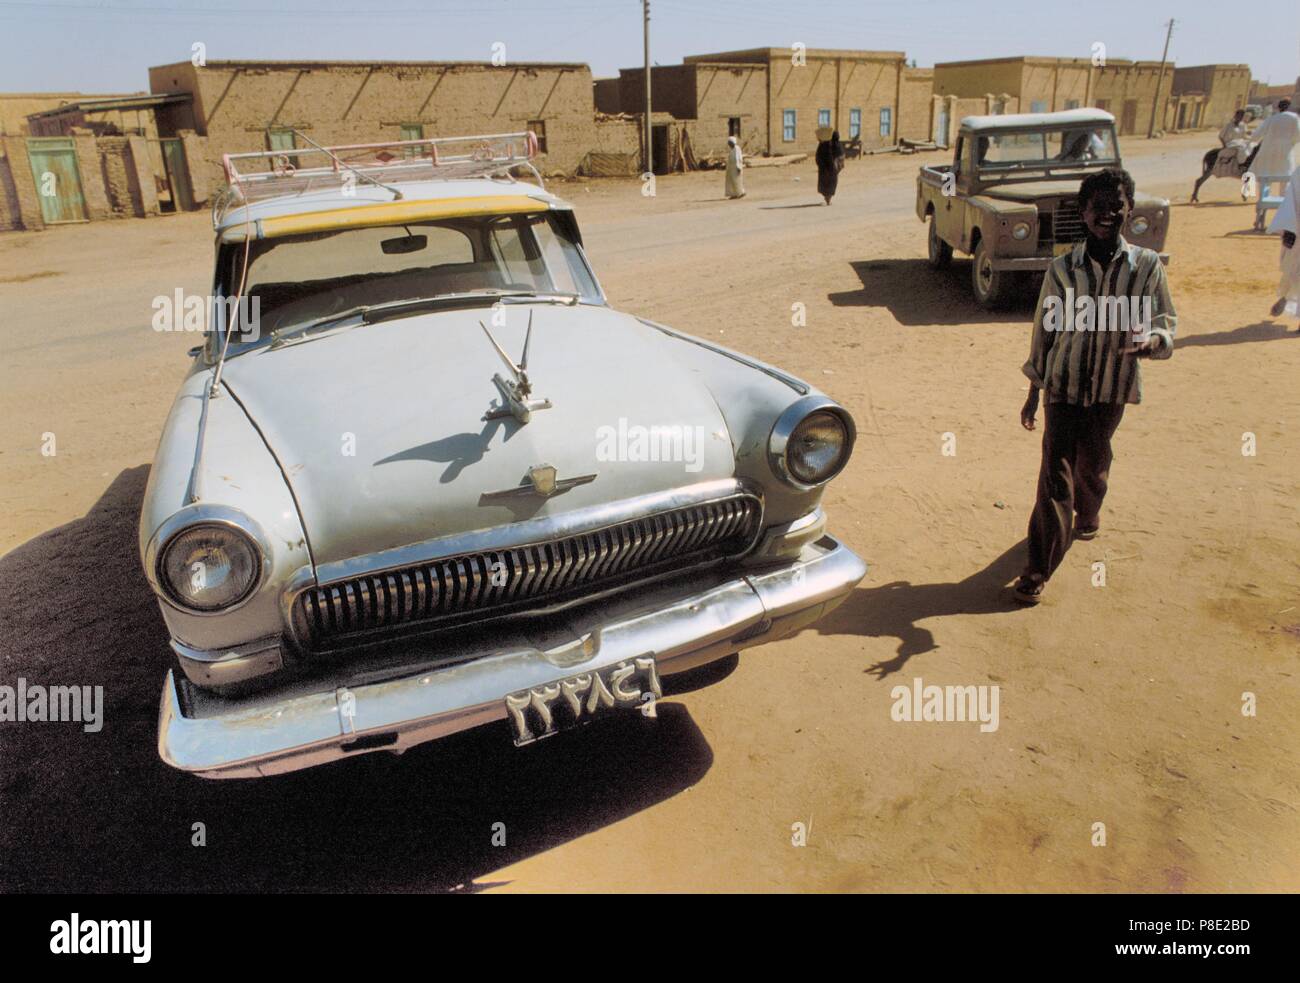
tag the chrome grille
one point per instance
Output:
(464, 588)
(1062, 224)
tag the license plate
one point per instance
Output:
(1061, 248)
(545, 710)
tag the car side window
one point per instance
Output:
(508, 250)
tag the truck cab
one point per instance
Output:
(1009, 197)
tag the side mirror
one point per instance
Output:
(195, 351)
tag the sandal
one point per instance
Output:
(1028, 590)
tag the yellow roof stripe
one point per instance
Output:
(387, 213)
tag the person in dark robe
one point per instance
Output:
(830, 160)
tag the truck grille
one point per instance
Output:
(1060, 223)
(453, 590)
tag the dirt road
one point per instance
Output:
(1119, 704)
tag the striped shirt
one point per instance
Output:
(1077, 358)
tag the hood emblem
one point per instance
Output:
(543, 478)
(541, 482)
(517, 392)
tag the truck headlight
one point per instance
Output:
(1020, 231)
(209, 567)
(811, 442)
(1140, 224)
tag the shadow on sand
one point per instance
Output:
(917, 295)
(87, 812)
(1259, 331)
(896, 610)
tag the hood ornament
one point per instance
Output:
(542, 482)
(516, 393)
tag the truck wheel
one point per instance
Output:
(990, 286)
(940, 251)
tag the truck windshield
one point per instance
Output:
(300, 280)
(1064, 147)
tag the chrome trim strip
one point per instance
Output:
(205, 514)
(784, 427)
(798, 385)
(192, 492)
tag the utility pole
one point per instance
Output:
(645, 134)
(1155, 106)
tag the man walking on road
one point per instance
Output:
(1278, 138)
(1103, 305)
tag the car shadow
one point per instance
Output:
(1259, 331)
(96, 812)
(917, 295)
(896, 610)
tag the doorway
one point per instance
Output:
(178, 175)
(659, 149)
(58, 179)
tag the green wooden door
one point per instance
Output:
(58, 180)
(178, 175)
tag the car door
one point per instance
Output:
(948, 207)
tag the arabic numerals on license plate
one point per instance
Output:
(545, 710)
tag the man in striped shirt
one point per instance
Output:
(1103, 305)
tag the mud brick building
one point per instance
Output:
(1223, 90)
(1127, 90)
(775, 102)
(1266, 96)
(236, 106)
(1020, 84)
(1038, 85)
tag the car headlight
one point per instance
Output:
(1020, 231)
(1140, 224)
(208, 567)
(811, 442)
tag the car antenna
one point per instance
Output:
(397, 195)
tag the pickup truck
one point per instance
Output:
(1009, 196)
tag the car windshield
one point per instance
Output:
(297, 281)
(1069, 146)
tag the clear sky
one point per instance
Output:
(107, 45)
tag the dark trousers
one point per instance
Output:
(1073, 476)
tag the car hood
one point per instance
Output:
(1033, 191)
(380, 429)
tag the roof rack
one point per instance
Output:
(316, 168)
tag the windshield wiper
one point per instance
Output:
(374, 313)
(548, 298)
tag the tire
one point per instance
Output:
(991, 287)
(940, 251)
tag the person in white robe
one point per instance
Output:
(735, 164)
(1278, 137)
(1286, 223)
(1234, 135)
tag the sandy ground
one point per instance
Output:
(1118, 704)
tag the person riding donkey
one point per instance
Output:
(1232, 158)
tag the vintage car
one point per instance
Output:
(1009, 198)
(421, 477)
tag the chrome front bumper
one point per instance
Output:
(683, 625)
